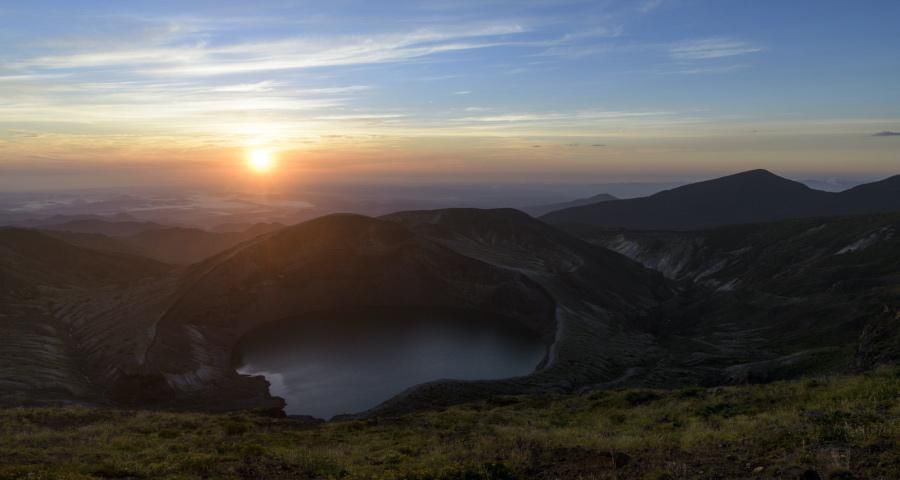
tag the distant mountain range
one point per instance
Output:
(749, 197)
(172, 245)
(538, 210)
(101, 226)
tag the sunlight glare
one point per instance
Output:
(261, 161)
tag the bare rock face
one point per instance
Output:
(56, 348)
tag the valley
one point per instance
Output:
(605, 307)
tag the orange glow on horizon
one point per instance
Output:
(261, 161)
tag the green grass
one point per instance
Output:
(830, 425)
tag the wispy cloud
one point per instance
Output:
(600, 31)
(362, 116)
(200, 59)
(180, 80)
(720, 69)
(29, 77)
(650, 5)
(585, 115)
(581, 43)
(263, 86)
(511, 118)
(337, 90)
(710, 48)
(576, 51)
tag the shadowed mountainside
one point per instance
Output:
(749, 197)
(789, 256)
(173, 245)
(44, 284)
(511, 239)
(102, 226)
(32, 259)
(810, 283)
(538, 210)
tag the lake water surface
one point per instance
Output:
(331, 364)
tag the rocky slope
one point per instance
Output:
(808, 294)
(53, 339)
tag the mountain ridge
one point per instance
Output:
(752, 196)
(538, 210)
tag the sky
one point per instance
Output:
(97, 93)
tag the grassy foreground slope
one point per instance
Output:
(840, 427)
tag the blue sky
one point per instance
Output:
(502, 90)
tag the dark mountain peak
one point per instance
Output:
(749, 180)
(763, 175)
(601, 197)
(335, 231)
(745, 190)
(339, 235)
(496, 223)
(756, 172)
(757, 175)
(746, 197)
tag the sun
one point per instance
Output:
(261, 161)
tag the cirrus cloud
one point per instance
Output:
(710, 48)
